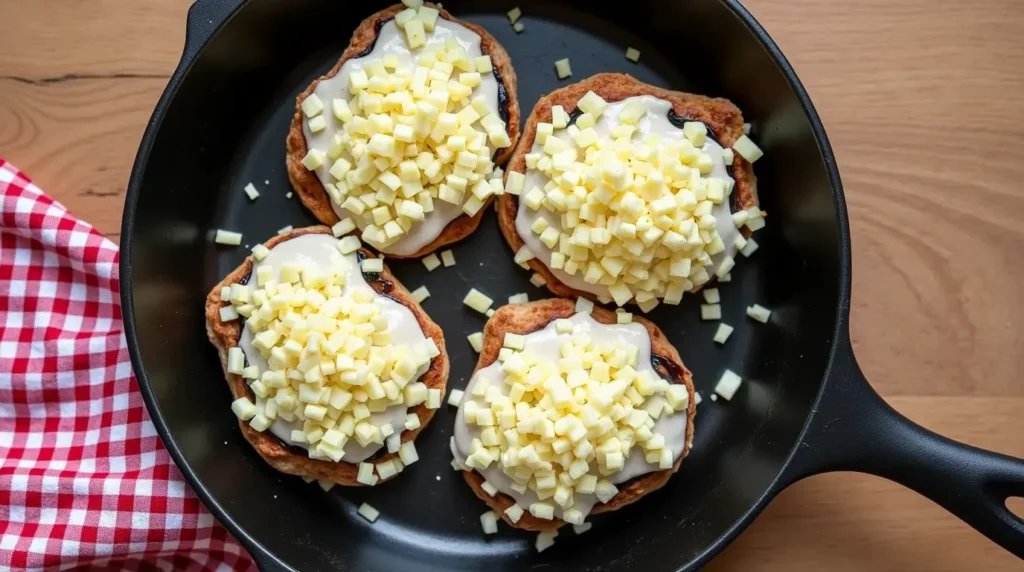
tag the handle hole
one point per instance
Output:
(1016, 506)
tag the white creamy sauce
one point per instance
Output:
(321, 250)
(545, 345)
(391, 41)
(654, 121)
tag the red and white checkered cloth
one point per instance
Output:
(84, 480)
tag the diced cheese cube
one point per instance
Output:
(747, 149)
(542, 510)
(317, 124)
(429, 17)
(562, 69)
(477, 341)
(605, 490)
(448, 258)
(477, 300)
(723, 333)
(407, 453)
(415, 33)
(420, 294)
(710, 312)
(520, 298)
(514, 512)
(431, 261)
(368, 512)
(365, 474)
(592, 103)
(545, 540)
(372, 265)
(584, 305)
(243, 408)
(728, 384)
(455, 398)
(349, 244)
(312, 106)
(341, 110)
(313, 160)
(749, 247)
(632, 54)
(489, 522)
(759, 313)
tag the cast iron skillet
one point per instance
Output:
(805, 407)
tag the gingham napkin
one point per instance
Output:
(84, 479)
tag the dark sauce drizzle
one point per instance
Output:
(381, 286)
(674, 371)
(503, 99)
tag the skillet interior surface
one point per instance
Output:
(225, 126)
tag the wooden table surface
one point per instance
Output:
(924, 104)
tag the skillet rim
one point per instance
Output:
(199, 33)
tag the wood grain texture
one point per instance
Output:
(924, 104)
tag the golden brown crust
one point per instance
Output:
(533, 316)
(224, 335)
(719, 114)
(312, 193)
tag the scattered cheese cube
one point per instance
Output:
(728, 384)
(710, 312)
(420, 294)
(581, 528)
(545, 540)
(749, 247)
(228, 237)
(514, 14)
(368, 512)
(477, 341)
(448, 258)
(632, 54)
(477, 300)
(711, 295)
(259, 252)
(489, 522)
(251, 192)
(562, 68)
(759, 313)
(723, 333)
(431, 261)
(455, 398)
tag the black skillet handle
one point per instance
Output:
(204, 18)
(854, 429)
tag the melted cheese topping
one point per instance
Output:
(320, 251)
(544, 345)
(390, 42)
